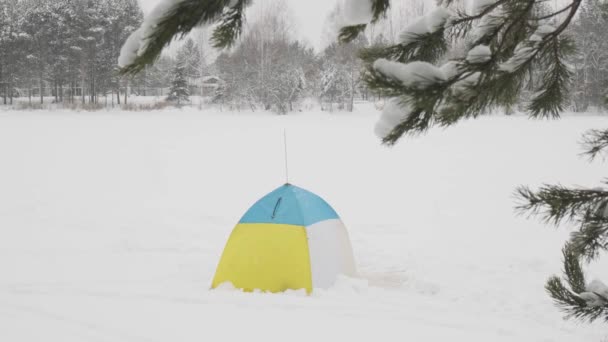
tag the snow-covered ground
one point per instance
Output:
(112, 224)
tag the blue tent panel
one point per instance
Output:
(290, 205)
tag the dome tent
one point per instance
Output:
(289, 239)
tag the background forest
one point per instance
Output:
(65, 52)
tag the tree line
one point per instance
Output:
(270, 70)
(65, 48)
(68, 49)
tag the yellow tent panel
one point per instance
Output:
(266, 256)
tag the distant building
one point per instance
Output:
(208, 85)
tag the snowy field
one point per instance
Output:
(112, 224)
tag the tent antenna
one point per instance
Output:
(286, 161)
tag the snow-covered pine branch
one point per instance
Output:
(172, 18)
(358, 14)
(508, 42)
(576, 298)
(422, 40)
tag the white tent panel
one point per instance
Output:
(330, 252)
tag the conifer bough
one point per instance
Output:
(507, 42)
(176, 18)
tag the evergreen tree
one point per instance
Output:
(505, 42)
(179, 86)
(177, 18)
(590, 62)
(58, 47)
(189, 55)
(11, 49)
(161, 72)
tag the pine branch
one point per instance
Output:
(462, 22)
(554, 14)
(180, 19)
(493, 87)
(350, 33)
(569, 300)
(573, 270)
(428, 47)
(380, 7)
(464, 18)
(475, 87)
(555, 203)
(516, 43)
(498, 81)
(415, 121)
(421, 98)
(592, 236)
(595, 142)
(230, 27)
(551, 99)
(517, 31)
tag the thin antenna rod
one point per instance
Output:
(286, 161)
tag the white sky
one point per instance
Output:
(310, 16)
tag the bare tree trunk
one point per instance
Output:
(353, 86)
(145, 80)
(351, 101)
(1, 73)
(126, 90)
(82, 90)
(92, 91)
(10, 91)
(41, 94)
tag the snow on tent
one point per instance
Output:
(289, 239)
